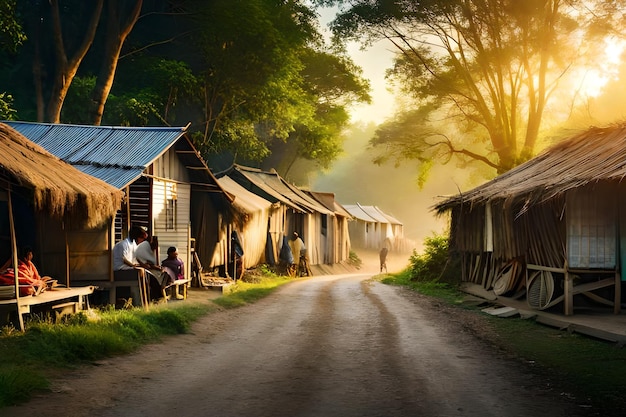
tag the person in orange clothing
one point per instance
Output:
(28, 273)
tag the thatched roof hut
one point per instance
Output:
(57, 187)
(557, 216)
(597, 154)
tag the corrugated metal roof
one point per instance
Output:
(268, 192)
(328, 200)
(374, 214)
(389, 217)
(117, 155)
(244, 199)
(291, 192)
(357, 212)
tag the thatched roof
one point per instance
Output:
(57, 187)
(598, 154)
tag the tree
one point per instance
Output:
(331, 82)
(11, 33)
(11, 38)
(69, 52)
(265, 89)
(121, 19)
(480, 76)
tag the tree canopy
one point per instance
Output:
(252, 78)
(481, 77)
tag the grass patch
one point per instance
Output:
(243, 293)
(594, 371)
(29, 358)
(432, 288)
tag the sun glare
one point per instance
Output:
(593, 80)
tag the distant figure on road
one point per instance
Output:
(383, 259)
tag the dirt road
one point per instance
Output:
(339, 345)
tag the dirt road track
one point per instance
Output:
(338, 345)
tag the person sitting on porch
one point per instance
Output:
(145, 255)
(125, 265)
(29, 277)
(174, 267)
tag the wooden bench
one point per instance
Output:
(77, 296)
(174, 286)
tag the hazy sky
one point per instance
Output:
(355, 179)
(374, 61)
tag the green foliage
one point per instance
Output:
(432, 288)
(79, 339)
(354, 260)
(243, 293)
(11, 33)
(479, 77)
(435, 264)
(18, 385)
(150, 91)
(7, 112)
(77, 102)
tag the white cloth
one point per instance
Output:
(145, 254)
(124, 249)
(297, 248)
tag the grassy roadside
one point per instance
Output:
(30, 358)
(590, 370)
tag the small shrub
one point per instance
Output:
(354, 260)
(436, 263)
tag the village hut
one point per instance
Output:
(48, 205)
(296, 211)
(168, 187)
(337, 244)
(251, 225)
(553, 229)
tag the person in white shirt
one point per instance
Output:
(127, 268)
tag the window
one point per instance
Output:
(170, 206)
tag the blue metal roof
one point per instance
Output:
(116, 155)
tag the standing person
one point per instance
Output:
(299, 253)
(383, 258)
(297, 246)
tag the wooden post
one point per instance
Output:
(16, 274)
(568, 295)
(67, 257)
(617, 306)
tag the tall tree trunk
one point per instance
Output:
(66, 68)
(37, 79)
(116, 35)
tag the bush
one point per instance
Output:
(436, 263)
(354, 260)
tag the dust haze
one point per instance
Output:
(354, 178)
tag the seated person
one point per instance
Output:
(173, 265)
(146, 258)
(32, 283)
(125, 265)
